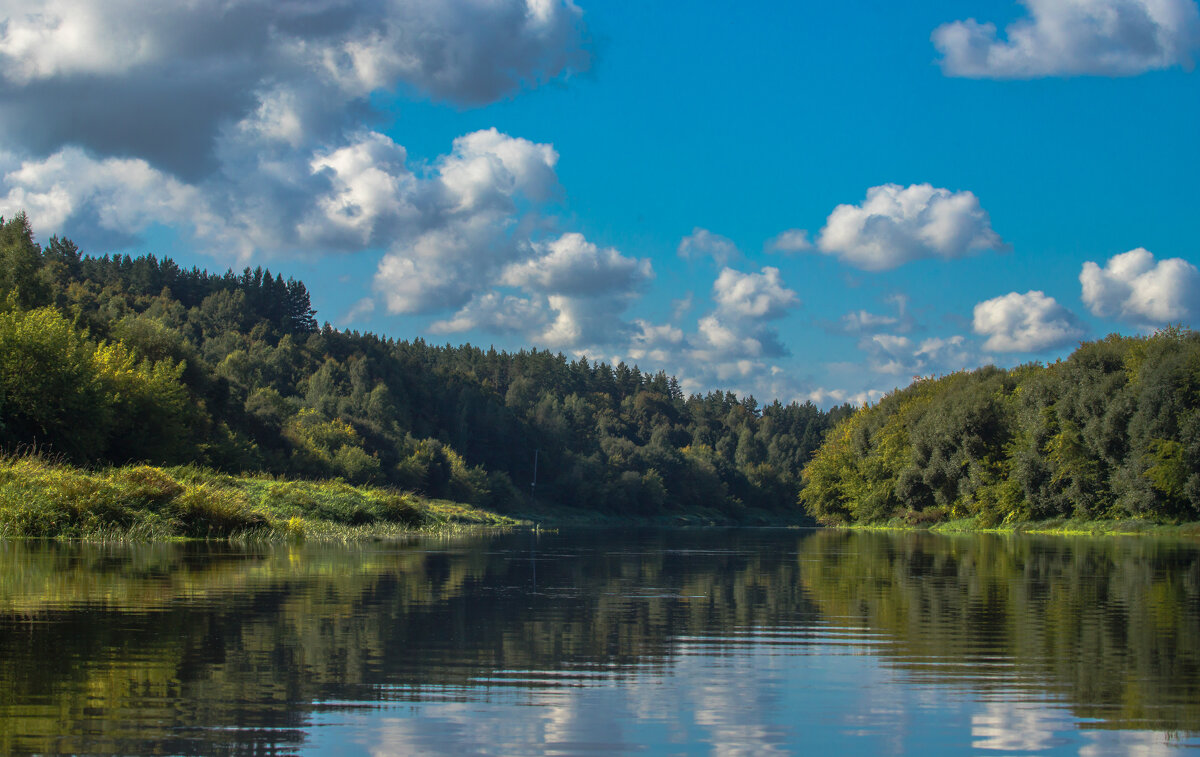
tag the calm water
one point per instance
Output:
(584, 642)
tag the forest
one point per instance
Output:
(116, 360)
(1111, 432)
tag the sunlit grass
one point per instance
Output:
(1059, 526)
(48, 499)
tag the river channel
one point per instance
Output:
(705, 641)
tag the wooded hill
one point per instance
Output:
(114, 360)
(1111, 432)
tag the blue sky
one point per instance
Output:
(799, 201)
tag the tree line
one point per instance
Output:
(1111, 432)
(119, 359)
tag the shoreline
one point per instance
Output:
(1049, 527)
(40, 499)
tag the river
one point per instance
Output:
(705, 641)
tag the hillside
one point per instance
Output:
(120, 360)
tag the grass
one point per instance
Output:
(43, 498)
(1060, 526)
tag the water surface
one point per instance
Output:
(594, 642)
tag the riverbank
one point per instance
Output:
(1055, 526)
(44, 499)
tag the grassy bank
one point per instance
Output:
(1061, 526)
(39, 498)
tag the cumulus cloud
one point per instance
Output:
(1074, 37)
(657, 343)
(241, 122)
(898, 355)
(734, 339)
(496, 313)
(792, 240)
(464, 233)
(896, 225)
(702, 243)
(571, 265)
(753, 295)
(369, 184)
(576, 291)
(584, 324)
(168, 82)
(117, 196)
(1134, 288)
(446, 229)
(1028, 322)
(734, 345)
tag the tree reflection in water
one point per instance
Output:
(203, 648)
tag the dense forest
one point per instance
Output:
(1111, 432)
(114, 360)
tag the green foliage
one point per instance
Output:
(21, 263)
(112, 360)
(86, 400)
(1111, 432)
(50, 390)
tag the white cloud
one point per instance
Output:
(586, 325)
(733, 346)
(571, 265)
(656, 343)
(725, 341)
(447, 230)
(445, 266)
(753, 295)
(468, 230)
(951, 353)
(792, 240)
(735, 341)
(198, 73)
(681, 307)
(896, 225)
(369, 183)
(703, 243)
(896, 355)
(1073, 37)
(118, 196)
(462, 50)
(487, 168)
(735, 337)
(578, 293)
(1134, 288)
(240, 121)
(497, 313)
(889, 353)
(1028, 322)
